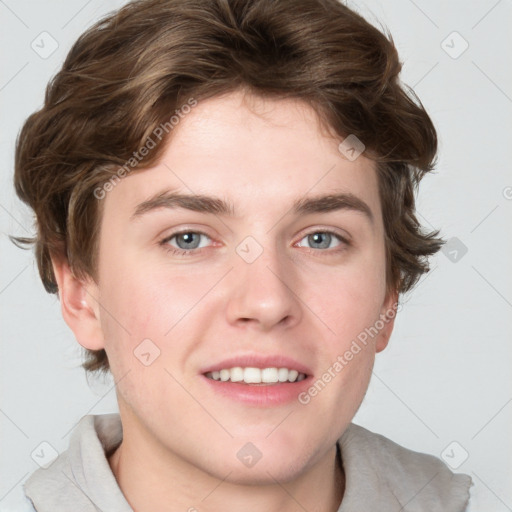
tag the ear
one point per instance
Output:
(387, 316)
(79, 305)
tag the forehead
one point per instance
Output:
(262, 154)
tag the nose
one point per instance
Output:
(262, 293)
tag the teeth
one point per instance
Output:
(256, 375)
(282, 374)
(236, 374)
(269, 375)
(292, 376)
(252, 375)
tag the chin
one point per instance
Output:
(262, 473)
(259, 463)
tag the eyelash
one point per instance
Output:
(189, 252)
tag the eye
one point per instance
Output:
(324, 240)
(186, 242)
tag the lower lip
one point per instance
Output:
(260, 395)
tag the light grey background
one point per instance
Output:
(446, 375)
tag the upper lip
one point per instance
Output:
(258, 361)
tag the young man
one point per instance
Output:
(224, 201)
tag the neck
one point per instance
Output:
(148, 482)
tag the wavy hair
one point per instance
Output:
(127, 72)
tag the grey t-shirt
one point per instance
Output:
(379, 475)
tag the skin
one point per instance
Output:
(180, 438)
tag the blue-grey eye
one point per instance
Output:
(188, 240)
(321, 239)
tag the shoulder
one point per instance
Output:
(400, 475)
(80, 477)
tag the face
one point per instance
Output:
(188, 288)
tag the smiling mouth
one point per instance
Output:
(257, 376)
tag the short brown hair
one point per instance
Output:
(131, 70)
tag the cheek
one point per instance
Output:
(141, 311)
(151, 318)
(350, 298)
(143, 299)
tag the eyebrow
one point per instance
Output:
(215, 205)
